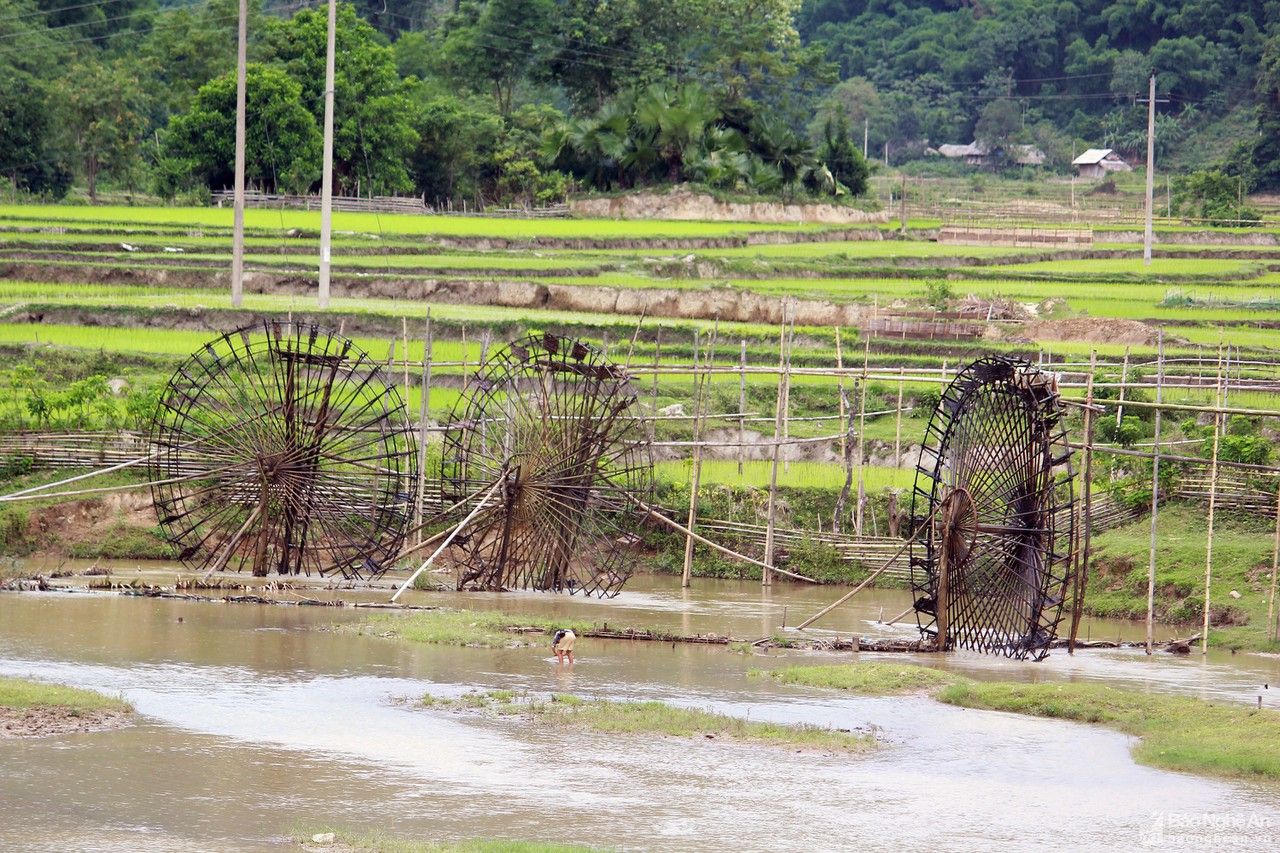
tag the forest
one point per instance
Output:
(523, 101)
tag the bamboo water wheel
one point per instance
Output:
(994, 485)
(559, 425)
(282, 447)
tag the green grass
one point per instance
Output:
(1176, 732)
(381, 842)
(872, 679)
(799, 474)
(19, 694)
(654, 718)
(1242, 551)
(487, 629)
(386, 223)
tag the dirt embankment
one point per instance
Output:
(680, 203)
(1196, 238)
(58, 720)
(1083, 329)
(729, 304)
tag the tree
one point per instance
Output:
(673, 121)
(483, 47)
(282, 145)
(456, 138)
(1000, 122)
(104, 113)
(603, 47)
(195, 45)
(30, 156)
(373, 134)
(842, 157)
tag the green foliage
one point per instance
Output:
(372, 131)
(282, 141)
(938, 293)
(1216, 197)
(1127, 433)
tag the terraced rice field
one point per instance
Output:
(146, 286)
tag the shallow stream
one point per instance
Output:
(256, 724)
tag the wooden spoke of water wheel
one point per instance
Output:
(283, 448)
(561, 427)
(991, 571)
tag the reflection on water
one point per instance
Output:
(255, 725)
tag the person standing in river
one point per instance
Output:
(562, 644)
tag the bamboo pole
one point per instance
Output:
(1273, 630)
(766, 577)
(404, 336)
(1124, 378)
(840, 387)
(786, 395)
(1213, 500)
(1086, 515)
(696, 473)
(884, 566)
(1155, 498)
(847, 458)
(424, 410)
(445, 544)
(897, 431)
(652, 512)
(742, 404)
(862, 429)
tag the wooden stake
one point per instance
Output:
(1155, 498)
(1213, 502)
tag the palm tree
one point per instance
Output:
(675, 121)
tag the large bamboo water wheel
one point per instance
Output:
(282, 447)
(559, 426)
(994, 487)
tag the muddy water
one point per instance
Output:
(254, 724)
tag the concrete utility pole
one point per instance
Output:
(866, 129)
(237, 239)
(326, 182)
(1151, 165)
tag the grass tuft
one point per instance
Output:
(654, 718)
(876, 679)
(20, 694)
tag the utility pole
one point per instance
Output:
(237, 239)
(326, 183)
(1151, 164)
(866, 127)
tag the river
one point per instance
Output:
(256, 724)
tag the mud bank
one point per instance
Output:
(56, 720)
